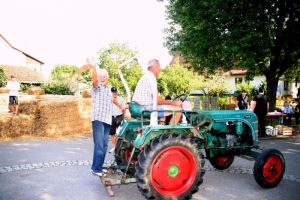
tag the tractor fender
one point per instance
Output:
(154, 131)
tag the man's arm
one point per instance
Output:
(252, 105)
(95, 76)
(115, 101)
(162, 101)
(83, 69)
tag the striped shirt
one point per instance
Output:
(146, 89)
(102, 104)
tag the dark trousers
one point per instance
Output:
(297, 115)
(262, 124)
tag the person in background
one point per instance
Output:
(297, 111)
(260, 106)
(118, 113)
(13, 87)
(242, 101)
(146, 94)
(287, 109)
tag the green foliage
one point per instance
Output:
(25, 86)
(175, 80)
(112, 57)
(212, 85)
(293, 74)
(62, 72)
(260, 36)
(58, 87)
(61, 82)
(223, 103)
(248, 88)
(3, 79)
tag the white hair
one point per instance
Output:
(152, 62)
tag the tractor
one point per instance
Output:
(167, 161)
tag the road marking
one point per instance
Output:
(39, 165)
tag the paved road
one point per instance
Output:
(60, 170)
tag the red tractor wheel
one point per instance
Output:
(221, 162)
(269, 168)
(170, 167)
(123, 151)
(220, 159)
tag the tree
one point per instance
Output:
(113, 56)
(175, 80)
(62, 72)
(61, 82)
(260, 36)
(2, 78)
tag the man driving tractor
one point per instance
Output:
(146, 94)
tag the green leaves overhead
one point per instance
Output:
(260, 36)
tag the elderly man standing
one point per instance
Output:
(102, 104)
(146, 94)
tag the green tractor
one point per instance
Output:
(167, 161)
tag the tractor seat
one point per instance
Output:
(136, 111)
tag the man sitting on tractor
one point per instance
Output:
(146, 94)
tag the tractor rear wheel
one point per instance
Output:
(221, 162)
(269, 168)
(169, 167)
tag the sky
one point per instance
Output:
(69, 31)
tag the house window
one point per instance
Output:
(238, 80)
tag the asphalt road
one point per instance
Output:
(60, 170)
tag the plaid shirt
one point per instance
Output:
(102, 104)
(145, 89)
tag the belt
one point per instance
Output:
(117, 115)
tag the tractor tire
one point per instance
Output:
(221, 162)
(269, 168)
(169, 167)
(122, 154)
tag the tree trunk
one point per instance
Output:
(272, 84)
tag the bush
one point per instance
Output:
(3, 79)
(60, 88)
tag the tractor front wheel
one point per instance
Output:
(222, 161)
(269, 168)
(169, 167)
(123, 151)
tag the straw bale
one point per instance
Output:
(49, 117)
(15, 126)
(28, 107)
(86, 94)
(35, 91)
(3, 90)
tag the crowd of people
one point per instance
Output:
(260, 106)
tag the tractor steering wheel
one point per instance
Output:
(181, 97)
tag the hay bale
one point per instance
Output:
(16, 125)
(28, 107)
(35, 91)
(86, 94)
(3, 90)
(49, 118)
(61, 118)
